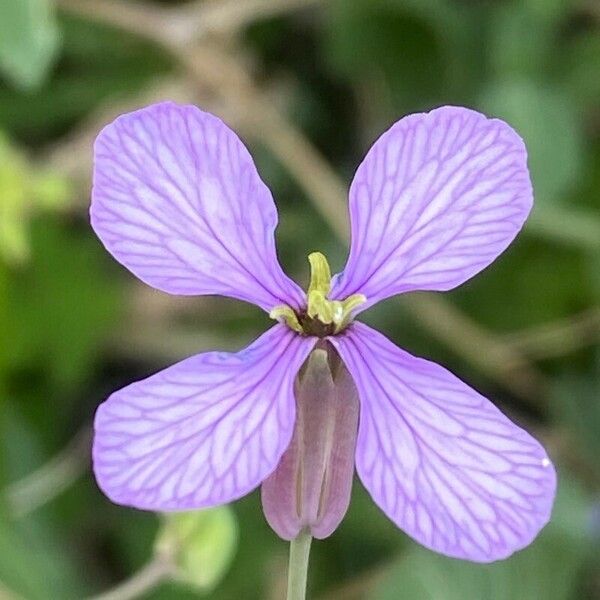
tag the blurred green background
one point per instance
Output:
(309, 85)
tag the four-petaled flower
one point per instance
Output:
(178, 201)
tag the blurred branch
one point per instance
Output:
(502, 362)
(152, 327)
(47, 482)
(242, 103)
(559, 337)
(225, 16)
(141, 582)
(575, 226)
(135, 17)
(181, 26)
(591, 8)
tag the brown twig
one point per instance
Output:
(183, 25)
(140, 19)
(226, 16)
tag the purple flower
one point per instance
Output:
(178, 201)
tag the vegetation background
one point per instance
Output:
(309, 85)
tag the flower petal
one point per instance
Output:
(437, 198)
(204, 431)
(178, 201)
(439, 459)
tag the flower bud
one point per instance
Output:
(199, 545)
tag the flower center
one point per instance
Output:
(321, 317)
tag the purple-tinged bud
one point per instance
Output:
(310, 488)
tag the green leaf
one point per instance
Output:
(28, 41)
(200, 543)
(548, 569)
(35, 563)
(16, 571)
(89, 75)
(548, 123)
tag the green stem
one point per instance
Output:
(298, 566)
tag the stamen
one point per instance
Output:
(322, 316)
(319, 307)
(347, 306)
(286, 314)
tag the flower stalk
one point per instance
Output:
(298, 566)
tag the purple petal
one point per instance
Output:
(204, 431)
(439, 459)
(178, 201)
(311, 486)
(437, 198)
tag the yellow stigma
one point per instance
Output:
(322, 316)
(320, 273)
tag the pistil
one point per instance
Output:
(321, 317)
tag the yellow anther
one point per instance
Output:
(288, 316)
(352, 302)
(346, 308)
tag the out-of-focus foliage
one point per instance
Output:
(47, 324)
(28, 41)
(74, 325)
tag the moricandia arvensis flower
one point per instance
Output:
(178, 201)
